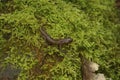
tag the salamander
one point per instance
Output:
(50, 40)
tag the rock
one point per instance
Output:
(9, 73)
(99, 76)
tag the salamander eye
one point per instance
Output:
(70, 40)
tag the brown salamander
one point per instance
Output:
(50, 40)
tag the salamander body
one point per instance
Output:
(50, 40)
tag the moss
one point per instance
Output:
(93, 25)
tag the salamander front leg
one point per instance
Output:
(59, 46)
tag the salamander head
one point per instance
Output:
(66, 41)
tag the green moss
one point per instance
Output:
(93, 25)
